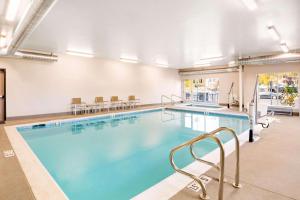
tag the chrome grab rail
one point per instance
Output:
(174, 95)
(254, 99)
(229, 93)
(220, 167)
(255, 90)
(162, 98)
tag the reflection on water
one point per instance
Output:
(207, 123)
(78, 127)
(204, 123)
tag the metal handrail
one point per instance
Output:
(204, 195)
(237, 150)
(255, 90)
(174, 95)
(162, 98)
(229, 93)
(220, 167)
(254, 100)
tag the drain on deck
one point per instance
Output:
(8, 153)
(194, 186)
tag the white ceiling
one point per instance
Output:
(179, 32)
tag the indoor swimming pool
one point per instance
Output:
(119, 156)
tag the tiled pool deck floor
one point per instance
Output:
(270, 168)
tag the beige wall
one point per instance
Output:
(36, 87)
(225, 83)
(251, 71)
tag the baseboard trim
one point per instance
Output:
(59, 114)
(37, 116)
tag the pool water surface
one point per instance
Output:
(118, 157)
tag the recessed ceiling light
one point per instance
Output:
(129, 60)
(82, 54)
(250, 4)
(284, 47)
(274, 33)
(12, 10)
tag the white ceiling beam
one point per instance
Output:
(36, 13)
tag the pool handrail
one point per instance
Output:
(176, 96)
(230, 94)
(220, 168)
(162, 99)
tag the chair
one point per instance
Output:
(77, 105)
(99, 104)
(115, 102)
(132, 101)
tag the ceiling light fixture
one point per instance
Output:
(162, 65)
(212, 59)
(274, 33)
(284, 47)
(12, 10)
(202, 65)
(129, 60)
(82, 54)
(2, 41)
(250, 4)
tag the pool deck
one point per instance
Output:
(269, 167)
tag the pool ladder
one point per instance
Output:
(220, 167)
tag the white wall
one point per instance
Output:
(36, 87)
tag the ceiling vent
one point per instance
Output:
(204, 71)
(36, 55)
(270, 59)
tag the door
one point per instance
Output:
(2, 96)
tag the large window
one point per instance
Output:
(277, 89)
(202, 90)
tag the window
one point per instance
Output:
(279, 88)
(202, 90)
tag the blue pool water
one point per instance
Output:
(120, 157)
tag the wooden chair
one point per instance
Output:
(115, 102)
(99, 104)
(132, 101)
(77, 106)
